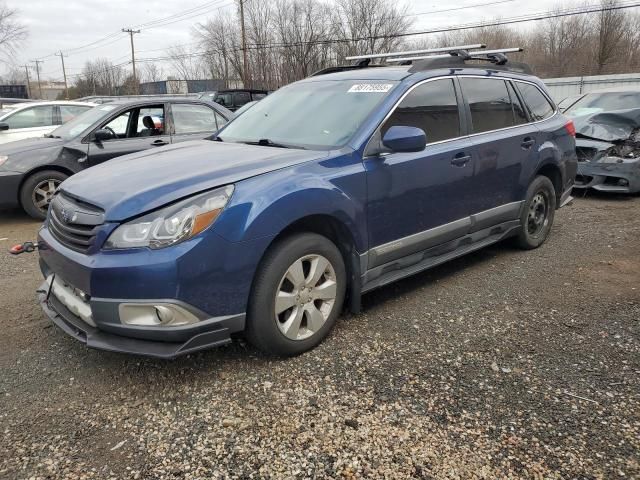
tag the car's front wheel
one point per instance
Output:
(37, 192)
(538, 213)
(297, 295)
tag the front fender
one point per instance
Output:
(267, 204)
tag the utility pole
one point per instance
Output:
(247, 77)
(64, 73)
(26, 70)
(38, 62)
(133, 56)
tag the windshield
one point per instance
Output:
(317, 115)
(603, 102)
(79, 124)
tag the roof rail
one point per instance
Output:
(495, 56)
(416, 52)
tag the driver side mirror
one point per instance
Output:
(102, 135)
(405, 139)
(4, 126)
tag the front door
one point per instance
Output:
(133, 130)
(419, 200)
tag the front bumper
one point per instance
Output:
(619, 177)
(10, 189)
(160, 342)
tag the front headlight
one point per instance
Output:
(173, 224)
(3, 158)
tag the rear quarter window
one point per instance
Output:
(538, 105)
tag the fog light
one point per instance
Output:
(623, 182)
(160, 315)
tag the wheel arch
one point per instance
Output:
(339, 233)
(41, 168)
(553, 173)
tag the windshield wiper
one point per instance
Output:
(265, 142)
(48, 135)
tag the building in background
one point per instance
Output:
(13, 91)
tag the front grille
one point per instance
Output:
(74, 224)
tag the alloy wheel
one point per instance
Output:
(43, 193)
(305, 297)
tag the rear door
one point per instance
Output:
(132, 133)
(29, 122)
(193, 121)
(504, 143)
(421, 199)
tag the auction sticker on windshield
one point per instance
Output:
(371, 88)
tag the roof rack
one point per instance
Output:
(494, 56)
(450, 50)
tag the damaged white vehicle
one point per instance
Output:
(607, 126)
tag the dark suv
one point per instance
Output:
(234, 99)
(326, 189)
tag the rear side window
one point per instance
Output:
(539, 107)
(432, 107)
(489, 103)
(69, 112)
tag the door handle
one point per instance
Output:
(527, 143)
(159, 143)
(460, 160)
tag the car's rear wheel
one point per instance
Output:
(37, 192)
(297, 295)
(538, 213)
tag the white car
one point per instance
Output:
(35, 119)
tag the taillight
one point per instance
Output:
(571, 128)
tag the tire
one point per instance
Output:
(37, 191)
(280, 274)
(538, 214)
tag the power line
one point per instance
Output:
(453, 9)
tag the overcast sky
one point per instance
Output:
(66, 24)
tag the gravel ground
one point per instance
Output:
(503, 364)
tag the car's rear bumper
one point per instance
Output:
(176, 341)
(9, 189)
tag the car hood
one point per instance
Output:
(28, 144)
(611, 126)
(134, 184)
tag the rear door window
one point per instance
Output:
(193, 118)
(489, 103)
(432, 107)
(539, 107)
(42, 116)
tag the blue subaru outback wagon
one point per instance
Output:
(328, 188)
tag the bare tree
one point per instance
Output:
(151, 72)
(187, 65)
(611, 25)
(12, 32)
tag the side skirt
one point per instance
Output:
(425, 259)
